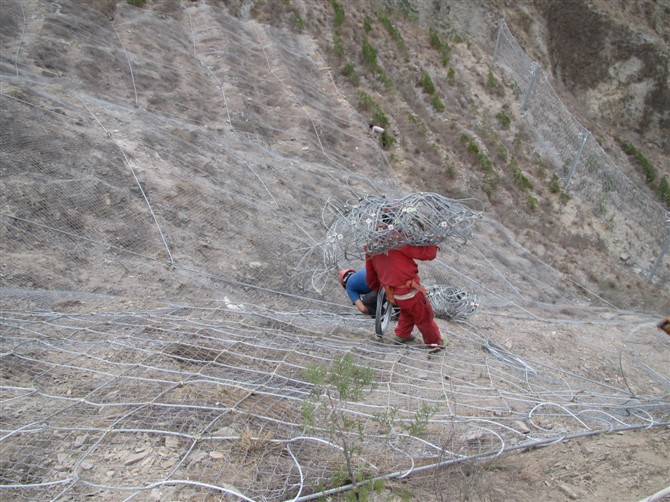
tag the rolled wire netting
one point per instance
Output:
(451, 303)
(378, 224)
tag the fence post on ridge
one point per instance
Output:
(495, 52)
(585, 137)
(526, 97)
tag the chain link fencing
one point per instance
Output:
(584, 167)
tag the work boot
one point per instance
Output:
(434, 348)
(400, 340)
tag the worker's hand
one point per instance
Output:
(361, 307)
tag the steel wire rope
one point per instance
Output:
(314, 104)
(130, 66)
(202, 63)
(297, 100)
(553, 392)
(214, 76)
(437, 465)
(177, 482)
(23, 31)
(569, 278)
(273, 73)
(109, 430)
(137, 181)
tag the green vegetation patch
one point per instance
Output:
(339, 13)
(439, 45)
(662, 188)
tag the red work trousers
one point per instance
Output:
(417, 311)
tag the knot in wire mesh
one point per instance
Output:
(451, 303)
(378, 224)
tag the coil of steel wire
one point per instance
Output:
(377, 224)
(452, 304)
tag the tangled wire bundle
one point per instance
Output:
(377, 224)
(451, 303)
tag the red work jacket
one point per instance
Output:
(397, 267)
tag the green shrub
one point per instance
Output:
(664, 190)
(136, 3)
(451, 76)
(647, 168)
(378, 117)
(555, 184)
(369, 54)
(386, 140)
(649, 172)
(491, 81)
(298, 22)
(485, 161)
(490, 182)
(564, 198)
(350, 71)
(502, 152)
(437, 103)
(538, 161)
(470, 143)
(366, 102)
(325, 407)
(491, 177)
(367, 24)
(450, 168)
(522, 180)
(384, 78)
(392, 30)
(426, 83)
(532, 203)
(434, 39)
(504, 119)
(439, 45)
(370, 105)
(338, 44)
(339, 13)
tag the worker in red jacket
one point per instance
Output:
(398, 273)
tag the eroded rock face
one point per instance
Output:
(616, 59)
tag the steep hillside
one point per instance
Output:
(620, 70)
(171, 323)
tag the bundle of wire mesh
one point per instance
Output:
(452, 304)
(377, 224)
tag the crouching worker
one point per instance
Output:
(358, 290)
(397, 272)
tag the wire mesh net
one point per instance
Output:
(582, 164)
(168, 180)
(202, 397)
